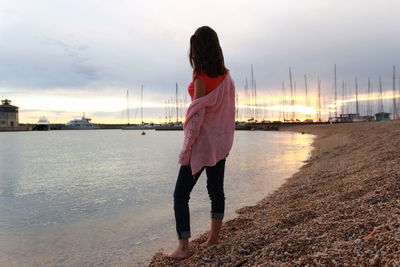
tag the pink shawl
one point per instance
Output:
(209, 127)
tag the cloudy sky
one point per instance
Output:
(61, 58)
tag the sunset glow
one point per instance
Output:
(59, 67)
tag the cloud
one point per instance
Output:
(102, 47)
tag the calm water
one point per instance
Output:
(78, 198)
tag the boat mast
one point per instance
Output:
(346, 108)
(294, 100)
(255, 101)
(141, 104)
(176, 101)
(342, 97)
(253, 92)
(369, 106)
(380, 95)
(291, 92)
(246, 101)
(335, 91)
(305, 83)
(319, 100)
(357, 97)
(166, 110)
(169, 110)
(324, 105)
(394, 94)
(283, 100)
(127, 105)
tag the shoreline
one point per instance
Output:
(341, 208)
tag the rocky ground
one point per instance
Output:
(341, 208)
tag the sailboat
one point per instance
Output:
(141, 111)
(141, 126)
(171, 126)
(128, 126)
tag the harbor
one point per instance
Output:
(253, 112)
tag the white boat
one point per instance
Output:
(80, 124)
(43, 124)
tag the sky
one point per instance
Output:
(61, 58)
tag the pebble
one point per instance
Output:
(272, 253)
(343, 209)
(206, 259)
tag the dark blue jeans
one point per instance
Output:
(184, 185)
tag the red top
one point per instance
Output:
(211, 82)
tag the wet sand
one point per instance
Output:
(341, 208)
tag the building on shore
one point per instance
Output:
(8, 114)
(382, 116)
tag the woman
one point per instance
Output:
(209, 128)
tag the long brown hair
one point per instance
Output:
(205, 54)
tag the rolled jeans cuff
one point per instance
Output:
(185, 234)
(217, 215)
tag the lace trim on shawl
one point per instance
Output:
(189, 140)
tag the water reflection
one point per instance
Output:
(10, 165)
(105, 197)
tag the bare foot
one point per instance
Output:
(180, 254)
(209, 243)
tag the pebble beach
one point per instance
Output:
(342, 208)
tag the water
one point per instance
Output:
(76, 198)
